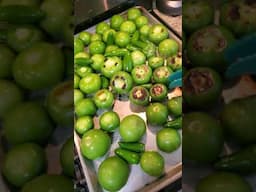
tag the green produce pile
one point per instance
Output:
(36, 92)
(130, 57)
(208, 123)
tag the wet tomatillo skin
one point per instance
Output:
(201, 87)
(239, 16)
(141, 74)
(196, 14)
(103, 99)
(139, 96)
(205, 47)
(158, 92)
(121, 82)
(161, 74)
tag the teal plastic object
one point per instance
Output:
(175, 79)
(242, 57)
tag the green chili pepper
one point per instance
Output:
(20, 14)
(148, 48)
(174, 124)
(117, 53)
(135, 36)
(110, 38)
(243, 161)
(83, 61)
(104, 82)
(135, 147)
(127, 62)
(129, 156)
(132, 48)
(147, 86)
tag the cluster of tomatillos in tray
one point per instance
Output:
(126, 56)
(207, 121)
(36, 93)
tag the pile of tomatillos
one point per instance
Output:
(36, 93)
(208, 122)
(126, 56)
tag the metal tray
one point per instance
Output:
(138, 180)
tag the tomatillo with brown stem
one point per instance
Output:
(141, 74)
(121, 82)
(202, 87)
(158, 92)
(139, 96)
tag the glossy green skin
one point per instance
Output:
(202, 139)
(197, 14)
(85, 107)
(85, 37)
(174, 106)
(33, 164)
(110, 48)
(122, 39)
(168, 140)
(97, 47)
(156, 114)
(83, 124)
(158, 33)
(144, 30)
(60, 104)
(132, 128)
(7, 57)
(108, 176)
(98, 61)
(109, 121)
(141, 21)
(57, 21)
(94, 144)
(168, 47)
(175, 62)
(121, 82)
(67, 157)
(133, 14)
(158, 92)
(161, 74)
(54, 183)
(32, 3)
(82, 55)
(76, 81)
(208, 52)
(138, 58)
(10, 96)
(238, 120)
(223, 182)
(91, 83)
(27, 122)
(240, 25)
(78, 46)
(141, 74)
(210, 95)
(155, 62)
(142, 96)
(83, 71)
(103, 99)
(47, 70)
(101, 28)
(78, 95)
(116, 21)
(104, 82)
(106, 33)
(96, 37)
(111, 66)
(128, 27)
(22, 37)
(152, 163)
